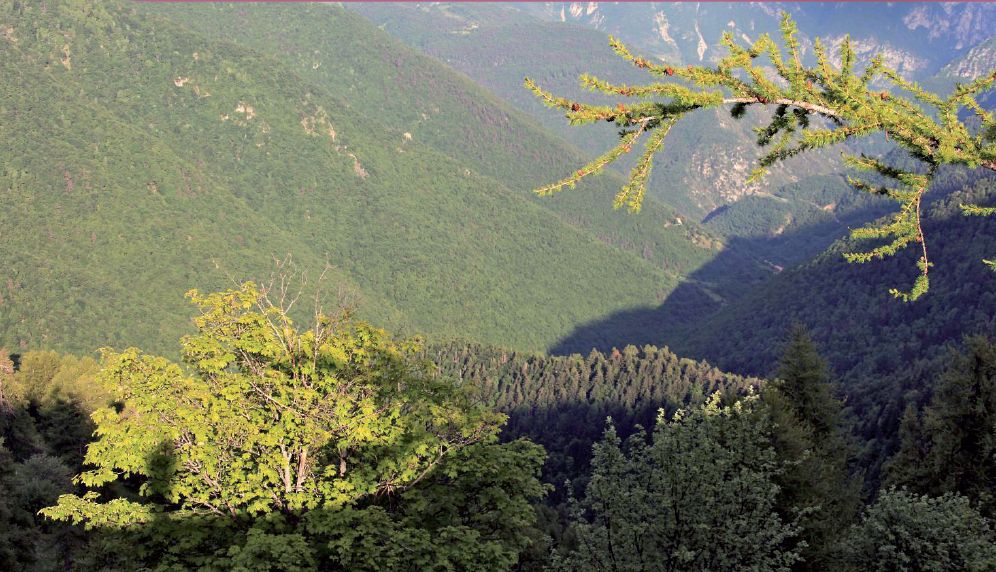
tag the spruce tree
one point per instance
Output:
(700, 495)
(814, 107)
(908, 466)
(804, 379)
(951, 447)
(816, 484)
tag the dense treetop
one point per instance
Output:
(296, 448)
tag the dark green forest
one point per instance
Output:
(533, 487)
(276, 292)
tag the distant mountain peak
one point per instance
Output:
(978, 61)
(964, 24)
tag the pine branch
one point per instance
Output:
(838, 95)
(822, 110)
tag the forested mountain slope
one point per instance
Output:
(708, 156)
(885, 354)
(792, 223)
(706, 166)
(841, 302)
(143, 159)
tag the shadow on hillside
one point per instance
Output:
(744, 263)
(839, 302)
(702, 294)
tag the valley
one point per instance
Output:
(277, 291)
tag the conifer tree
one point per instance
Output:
(908, 466)
(951, 447)
(699, 496)
(16, 532)
(814, 107)
(803, 379)
(816, 485)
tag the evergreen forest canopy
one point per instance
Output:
(334, 446)
(292, 435)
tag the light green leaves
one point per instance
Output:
(904, 228)
(270, 418)
(840, 96)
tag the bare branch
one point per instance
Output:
(822, 110)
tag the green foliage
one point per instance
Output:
(298, 449)
(882, 354)
(472, 513)
(561, 402)
(951, 445)
(815, 485)
(45, 376)
(473, 516)
(804, 383)
(905, 532)
(976, 210)
(797, 221)
(471, 37)
(270, 418)
(700, 496)
(844, 103)
(161, 184)
(6, 377)
(17, 533)
(44, 428)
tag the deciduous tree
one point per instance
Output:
(299, 448)
(904, 532)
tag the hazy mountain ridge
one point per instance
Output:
(918, 37)
(707, 158)
(979, 60)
